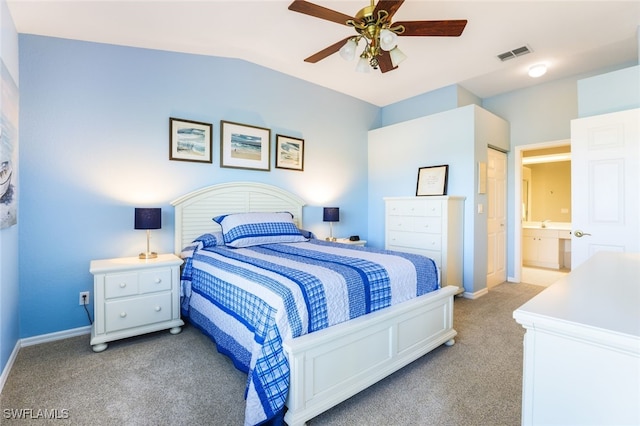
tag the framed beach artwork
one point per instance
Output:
(289, 153)
(244, 147)
(190, 140)
(9, 97)
(432, 180)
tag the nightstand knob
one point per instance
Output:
(123, 314)
(158, 280)
(123, 285)
(158, 308)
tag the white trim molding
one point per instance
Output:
(35, 340)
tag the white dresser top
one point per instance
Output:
(601, 294)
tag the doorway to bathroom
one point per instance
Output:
(542, 234)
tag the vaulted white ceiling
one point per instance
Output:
(571, 37)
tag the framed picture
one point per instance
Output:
(289, 153)
(432, 180)
(244, 147)
(190, 141)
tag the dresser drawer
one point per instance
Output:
(420, 207)
(428, 224)
(137, 311)
(120, 285)
(415, 240)
(155, 280)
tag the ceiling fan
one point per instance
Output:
(373, 24)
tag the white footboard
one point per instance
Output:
(334, 364)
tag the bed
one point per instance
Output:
(338, 356)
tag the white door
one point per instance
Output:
(605, 163)
(496, 217)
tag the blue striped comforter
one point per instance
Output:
(250, 300)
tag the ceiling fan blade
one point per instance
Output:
(319, 12)
(384, 62)
(432, 28)
(391, 6)
(327, 51)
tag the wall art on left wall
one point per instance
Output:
(8, 148)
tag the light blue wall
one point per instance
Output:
(94, 145)
(610, 92)
(439, 100)
(9, 317)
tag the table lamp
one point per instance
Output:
(331, 214)
(149, 218)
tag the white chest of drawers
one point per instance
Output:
(134, 296)
(581, 360)
(431, 226)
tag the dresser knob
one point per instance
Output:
(158, 308)
(123, 285)
(158, 280)
(123, 314)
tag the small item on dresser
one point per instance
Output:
(354, 238)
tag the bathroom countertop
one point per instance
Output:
(558, 226)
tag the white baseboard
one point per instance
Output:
(475, 295)
(58, 335)
(35, 340)
(7, 368)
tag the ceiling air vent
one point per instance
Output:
(514, 53)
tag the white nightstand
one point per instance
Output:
(353, 243)
(134, 296)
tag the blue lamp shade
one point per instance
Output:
(148, 218)
(331, 214)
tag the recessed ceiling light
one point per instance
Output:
(537, 70)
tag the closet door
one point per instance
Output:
(496, 217)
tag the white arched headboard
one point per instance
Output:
(194, 212)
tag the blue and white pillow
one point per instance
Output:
(211, 239)
(250, 229)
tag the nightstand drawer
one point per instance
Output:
(155, 280)
(120, 285)
(137, 311)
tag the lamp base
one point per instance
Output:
(148, 255)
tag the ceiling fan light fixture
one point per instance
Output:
(363, 65)
(537, 70)
(388, 39)
(397, 56)
(348, 51)
(374, 24)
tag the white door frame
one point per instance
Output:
(517, 201)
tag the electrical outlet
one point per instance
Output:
(84, 301)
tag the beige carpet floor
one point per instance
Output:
(164, 379)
